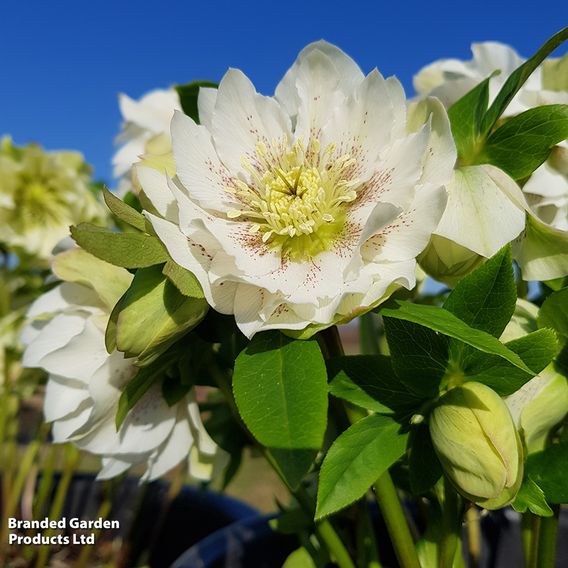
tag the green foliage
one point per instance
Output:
(280, 387)
(531, 498)
(357, 458)
(518, 78)
(554, 313)
(183, 280)
(152, 315)
(423, 464)
(443, 321)
(524, 142)
(188, 94)
(485, 298)
(129, 250)
(292, 464)
(465, 117)
(369, 381)
(419, 355)
(124, 212)
(548, 470)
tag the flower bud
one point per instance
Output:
(477, 443)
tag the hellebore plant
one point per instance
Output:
(262, 224)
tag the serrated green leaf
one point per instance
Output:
(123, 211)
(536, 349)
(183, 280)
(188, 94)
(357, 458)
(524, 142)
(419, 356)
(443, 321)
(153, 315)
(485, 299)
(280, 388)
(369, 381)
(293, 465)
(531, 497)
(465, 118)
(548, 470)
(518, 78)
(129, 250)
(554, 313)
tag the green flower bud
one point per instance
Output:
(478, 445)
(447, 261)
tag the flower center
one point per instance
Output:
(296, 198)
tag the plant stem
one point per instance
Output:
(526, 531)
(397, 525)
(534, 539)
(451, 524)
(473, 536)
(548, 535)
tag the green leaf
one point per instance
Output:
(554, 313)
(280, 388)
(183, 280)
(524, 142)
(465, 118)
(536, 349)
(300, 558)
(485, 298)
(357, 458)
(423, 463)
(518, 78)
(123, 211)
(188, 94)
(548, 470)
(293, 465)
(369, 381)
(531, 497)
(129, 250)
(419, 356)
(174, 390)
(443, 321)
(153, 315)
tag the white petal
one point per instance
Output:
(62, 397)
(484, 210)
(112, 467)
(197, 165)
(206, 99)
(243, 119)
(154, 184)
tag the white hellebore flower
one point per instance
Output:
(65, 337)
(486, 209)
(145, 134)
(451, 79)
(307, 207)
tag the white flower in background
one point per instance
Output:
(498, 218)
(145, 134)
(41, 194)
(65, 337)
(451, 79)
(308, 207)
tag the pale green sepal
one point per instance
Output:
(555, 73)
(153, 315)
(107, 280)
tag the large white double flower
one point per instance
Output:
(307, 207)
(66, 338)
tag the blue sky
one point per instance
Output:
(64, 62)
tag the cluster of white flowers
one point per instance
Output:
(66, 338)
(294, 212)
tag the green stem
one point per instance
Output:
(526, 531)
(548, 536)
(473, 536)
(535, 538)
(367, 550)
(397, 525)
(451, 524)
(369, 334)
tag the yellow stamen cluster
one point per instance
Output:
(296, 198)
